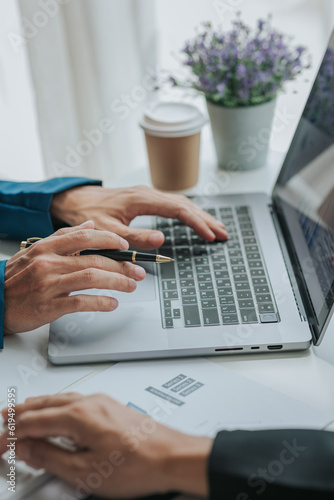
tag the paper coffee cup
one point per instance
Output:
(172, 134)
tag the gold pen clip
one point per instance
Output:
(29, 242)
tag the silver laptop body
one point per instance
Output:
(268, 288)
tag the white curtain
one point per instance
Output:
(91, 62)
(85, 56)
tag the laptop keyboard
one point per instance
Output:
(219, 283)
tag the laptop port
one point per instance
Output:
(230, 349)
(275, 347)
(253, 348)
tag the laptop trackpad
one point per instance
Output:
(145, 290)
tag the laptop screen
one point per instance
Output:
(304, 197)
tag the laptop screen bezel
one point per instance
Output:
(317, 330)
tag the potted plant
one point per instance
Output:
(240, 73)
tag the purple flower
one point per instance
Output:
(221, 89)
(243, 66)
(300, 50)
(172, 81)
(241, 71)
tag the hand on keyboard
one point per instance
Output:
(114, 209)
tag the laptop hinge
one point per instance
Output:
(289, 267)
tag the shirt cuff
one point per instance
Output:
(2, 299)
(27, 205)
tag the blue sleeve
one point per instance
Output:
(2, 299)
(24, 206)
(24, 212)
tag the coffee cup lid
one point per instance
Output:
(172, 119)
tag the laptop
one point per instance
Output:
(269, 288)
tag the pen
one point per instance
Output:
(120, 255)
(127, 255)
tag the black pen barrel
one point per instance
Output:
(121, 255)
(144, 257)
(124, 255)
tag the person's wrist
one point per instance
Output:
(74, 205)
(63, 206)
(59, 206)
(185, 464)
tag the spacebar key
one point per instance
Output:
(191, 316)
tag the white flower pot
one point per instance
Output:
(241, 135)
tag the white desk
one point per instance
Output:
(305, 376)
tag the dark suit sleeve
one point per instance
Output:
(272, 465)
(24, 206)
(24, 212)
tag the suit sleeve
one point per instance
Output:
(24, 212)
(272, 465)
(24, 206)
